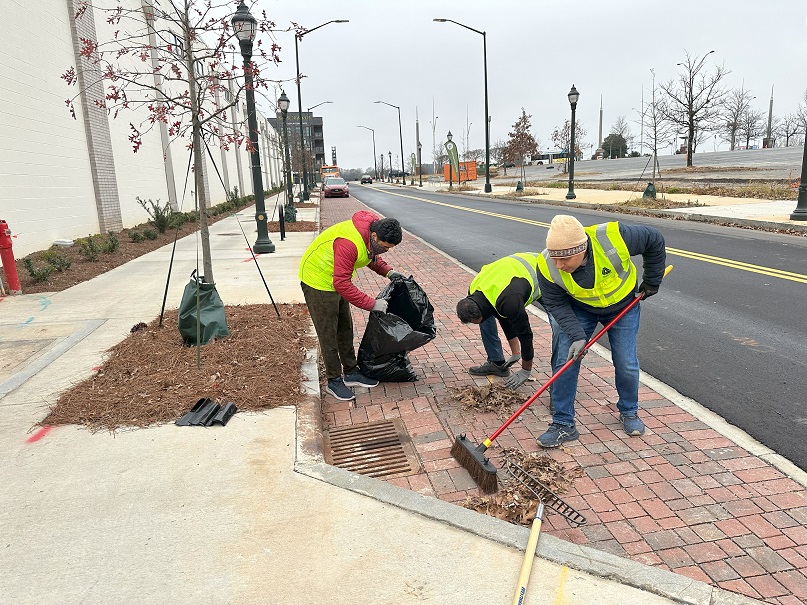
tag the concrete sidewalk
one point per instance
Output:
(250, 513)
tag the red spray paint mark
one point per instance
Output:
(39, 434)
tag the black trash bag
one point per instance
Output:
(407, 325)
(212, 320)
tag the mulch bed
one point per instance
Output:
(152, 377)
(295, 227)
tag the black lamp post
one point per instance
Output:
(573, 97)
(374, 160)
(382, 166)
(488, 188)
(283, 104)
(420, 167)
(245, 27)
(299, 36)
(448, 146)
(389, 171)
(800, 213)
(400, 133)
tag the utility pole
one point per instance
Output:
(600, 151)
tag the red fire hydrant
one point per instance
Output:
(7, 258)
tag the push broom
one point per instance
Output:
(473, 458)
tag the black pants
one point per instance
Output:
(330, 314)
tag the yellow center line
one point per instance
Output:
(706, 258)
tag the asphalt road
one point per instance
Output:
(727, 328)
(763, 164)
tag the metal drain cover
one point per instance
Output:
(378, 449)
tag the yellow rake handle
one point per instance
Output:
(529, 556)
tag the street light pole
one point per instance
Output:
(245, 27)
(573, 97)
(488, 188)
(400, 134)
(299, 36)
(420, 167)
(283, 104)
(449, 136)
(311, 138)
(800, 213)
(389, 172)
(374, 160)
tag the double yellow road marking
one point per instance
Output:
(706, 258)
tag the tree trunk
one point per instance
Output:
(198, 156)
(689, 143)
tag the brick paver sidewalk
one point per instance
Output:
(682, 497)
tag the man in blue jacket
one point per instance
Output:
(587, 277)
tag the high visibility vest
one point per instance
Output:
(493, 278)
(614, 271)
(316, 266)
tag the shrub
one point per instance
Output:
(89, 248)
(110, 244)
(150, 234)
(38, 274)
(136, 236)
(160, 215)
(59, 262)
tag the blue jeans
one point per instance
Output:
(490, 339)
(622, 337)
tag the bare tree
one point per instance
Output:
(520, 143)
(789, 127)
(752, 125)
(658, 127)
(156, 67)
(562, 138)
(694, 98)
(735, 106)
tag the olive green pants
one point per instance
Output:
(330, 314)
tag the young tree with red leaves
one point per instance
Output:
(520, 142)
(172, 62)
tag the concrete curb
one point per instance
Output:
(309, 461)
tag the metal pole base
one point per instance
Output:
(263, 247)
(799, 215)
(571, 195)
(488, 188)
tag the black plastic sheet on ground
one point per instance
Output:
(407, 325)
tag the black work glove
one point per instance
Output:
(646, 290)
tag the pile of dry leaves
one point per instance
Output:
(152, 377)
(514, 502)
(495, 398)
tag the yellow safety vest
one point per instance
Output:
(316, 266)
(493, 278)
(614, 271)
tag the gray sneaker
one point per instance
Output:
(633, 425)
(489, 369)
(337, 388)
(557, 434)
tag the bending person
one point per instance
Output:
(326, 275)
(587, 277)
(501, 291)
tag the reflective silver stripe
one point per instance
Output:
(610, 250)
(536, 290)
(554, 272)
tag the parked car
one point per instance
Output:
(336, 187)
(366, 178)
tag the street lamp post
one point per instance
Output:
(800, 213)
(488, 188)
(382, 166)
(400, 134)
(245, 27)
(573, 97)
(283, 104)
(375, 164)
(450, 136)
(420, 167)
(313, 152)
(299, 36)
(389, 172)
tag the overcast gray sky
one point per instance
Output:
(536, 49)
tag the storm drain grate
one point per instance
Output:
(378, 449)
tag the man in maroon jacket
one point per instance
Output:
(326, 276)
